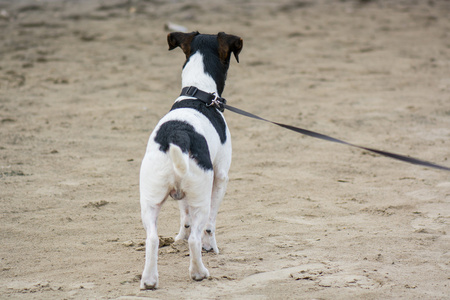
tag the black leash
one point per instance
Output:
(220, 103)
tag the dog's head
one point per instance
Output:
(215, 49)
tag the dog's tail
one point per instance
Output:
(180, 160)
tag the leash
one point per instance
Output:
(220, 103)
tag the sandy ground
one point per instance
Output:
(82, 84)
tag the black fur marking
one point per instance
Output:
(184, 136)
(210, 112)
(209, 48)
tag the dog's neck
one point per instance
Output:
(195, 73)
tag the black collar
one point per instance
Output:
(210, 99)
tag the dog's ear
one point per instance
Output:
(229, 43)
(182, 40)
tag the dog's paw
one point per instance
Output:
(208, 248)
(209, 242)
(150, 283)
(199, 275)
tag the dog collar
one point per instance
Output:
(210, 99)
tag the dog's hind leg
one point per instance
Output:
(199, 217)
(153, 188)
(185, 222)
(149, 278)
(218, 192)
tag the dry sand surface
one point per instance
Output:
(83, 83)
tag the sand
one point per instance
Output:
(83, 83)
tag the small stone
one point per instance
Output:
(129, 243)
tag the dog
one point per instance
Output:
(188, 154)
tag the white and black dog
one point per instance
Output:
(189, 153)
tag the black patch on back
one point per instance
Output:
(184, 136)
(209, 48)
(210, 112)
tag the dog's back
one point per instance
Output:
(183, 149)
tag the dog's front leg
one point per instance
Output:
(149, 280)
(199, 217)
